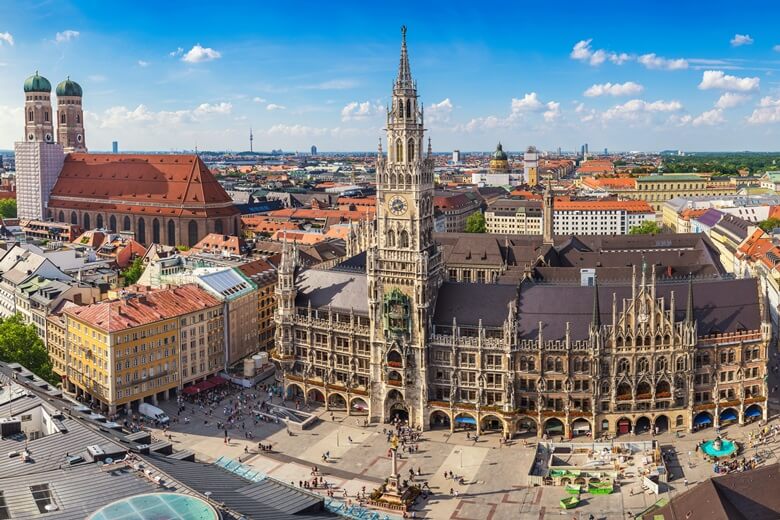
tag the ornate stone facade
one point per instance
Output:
(384, 334)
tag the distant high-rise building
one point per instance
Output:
(251, 141)
(314, 150)
(456, 157)
(38, 158)
(586, 149)
(606, 152)
(559, 151)
(582, 151)
(114, 146)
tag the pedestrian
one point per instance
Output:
(685, 481)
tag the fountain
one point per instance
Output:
(719, 448)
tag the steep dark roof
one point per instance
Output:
(341, 290)
(751, 495)
(554, 305)
(470, 302)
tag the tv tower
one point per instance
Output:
(251, 138)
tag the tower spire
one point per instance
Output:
(404, 79)
(689, 305)
(596, 320)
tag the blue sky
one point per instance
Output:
(622, 75)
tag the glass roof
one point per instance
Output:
(171, 506)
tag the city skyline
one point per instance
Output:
(168, 82)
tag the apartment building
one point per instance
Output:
(514, 217)
(122, 352)
(599, 217)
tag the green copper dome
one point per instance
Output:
(500, 154)
(69, 88)
(37, 83)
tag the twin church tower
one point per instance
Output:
(39, 158)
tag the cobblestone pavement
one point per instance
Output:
(494, 476)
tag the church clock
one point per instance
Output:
(397, 205)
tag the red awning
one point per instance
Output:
(217, 380)
(191, 390)
(206, 385)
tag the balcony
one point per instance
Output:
(623, 397)
(395, 382)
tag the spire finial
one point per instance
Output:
(430, 149)
(404, 72)
(596, 320)
(689, 316)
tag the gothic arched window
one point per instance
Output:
(192, 231)
(78, 118)
(558, 365)
(112, 223)
(643, 365)
(408, 109)
(410, 148)
(681, 364)
(403, 239)
(550, 362)
(171, 233)
(61, 217)
(156, 231)
(99, 222)
(141, 234)
(74, 219)
(391, 238)
(62, 117)
(126, 224)
(399, 150)
(30, 115)
(400, 108)
(531, 364)
(661, 365)
(86, 222)
(623, 365)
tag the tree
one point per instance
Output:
(648, 227)
(8, 208)
(134, 272)
(19, 343)
(769, 224)
(476, 223)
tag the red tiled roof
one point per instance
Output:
(148, 307)
(168, 185)
(215, 242)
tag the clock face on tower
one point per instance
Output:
(397, 206)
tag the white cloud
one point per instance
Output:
(178, 52)
(741, 39)
(709, 118)
(200, 54)
(768, 111)
(614, 89)
(529, 103)
(585, 114)
(636, 109)
(273, 106)
(122, 117)
(730, 100)
(355, 110)
(776, 48)
(297, 130)
(583, 51)
(553, 112)
(142, 63)
(717, 79)
(66, 36)
(7, 38)
(653, 61)
(97, 78)
(439, 112)
(259, 100)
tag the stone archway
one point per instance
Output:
(337, 401)
(526, 427)
(395, 406)
(315, 396)
(465, 421)
(623, 426)
(728, 416)
(358, 406)
(553, 426)
(491, 424)
(702, 420)
(580, 427)
(294, 391)
(643, 425)
(753, 412)
(661, 424)
(439, 420)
